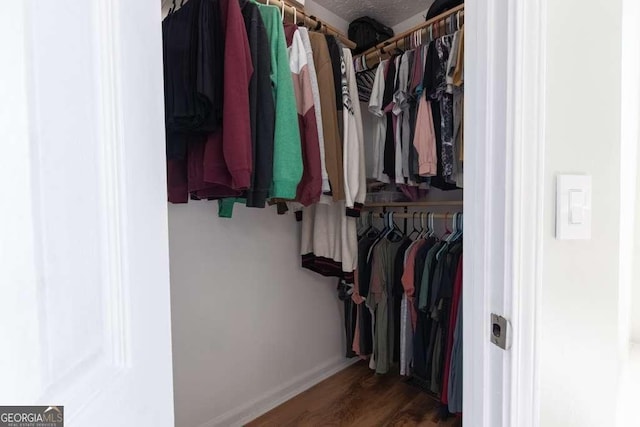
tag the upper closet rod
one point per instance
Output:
(374, 55)
(310, 22)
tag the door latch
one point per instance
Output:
(500, 331)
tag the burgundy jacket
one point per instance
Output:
(220, 165)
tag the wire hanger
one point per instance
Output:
(397, 50)
(423, 226)
(432, 225)
(413, 225)
(282, 3)
(450, 233)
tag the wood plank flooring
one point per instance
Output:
(358, 397)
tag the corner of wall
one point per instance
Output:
(324, 14)
(278, 395)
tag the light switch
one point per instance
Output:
(573, 207)
(576, 206)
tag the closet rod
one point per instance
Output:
(448, 216)
(373, 55)
(377, 205)
(310, 22)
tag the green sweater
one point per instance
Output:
(287, 155)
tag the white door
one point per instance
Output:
(84, 280)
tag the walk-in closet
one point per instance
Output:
(316, 211)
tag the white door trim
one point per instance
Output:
(526, 114)
(504, 153)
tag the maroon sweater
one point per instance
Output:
(310, 186)
(220, 165)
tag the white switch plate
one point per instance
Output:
(573, 207)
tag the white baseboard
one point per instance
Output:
(278, 395)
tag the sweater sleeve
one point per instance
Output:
(236, 145)
(287, 157)
(354, 163)
(310, 186)
(313, 79)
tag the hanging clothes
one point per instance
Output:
(332, 139)
(193, 73)
(379, 301)
(449, 359)
(389, 141)
(261, 106)
(315, 90)
(353, 143)
(287, 156)
(441, 108)
(423, 137)
(310, 186)
(365, 81)
(376, 108)
(413, 290)
(219, 164)
(329, 242)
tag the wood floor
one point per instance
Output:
(358, 397)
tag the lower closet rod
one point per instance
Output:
(417, 215)
(423, 204)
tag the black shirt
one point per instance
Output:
(193, 46)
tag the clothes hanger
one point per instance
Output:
(432, 225)
(172, 8)
(282, 3)
(447, 232)
(447, 241)
(397, 50)
(385, 224)
(395, 230)
(372, 231)
(459, 226)
(413, 225)
(388, 224)
(431, 229)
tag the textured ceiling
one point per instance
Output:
(388, 12)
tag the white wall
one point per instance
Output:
(248, 322)
(579, 300)
(407, 24)
(313, 8)
(635, 285)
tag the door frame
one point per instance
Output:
(503, 202)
